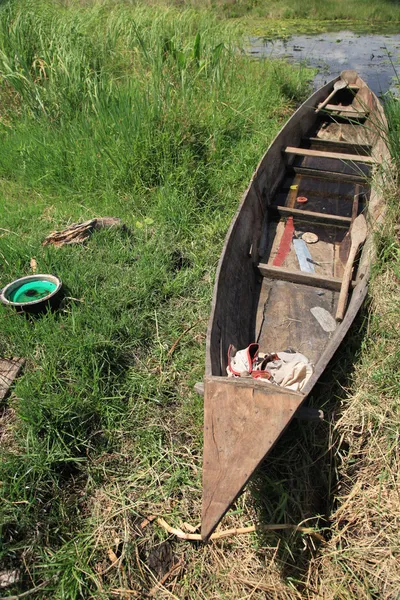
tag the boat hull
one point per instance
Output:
(332, 153)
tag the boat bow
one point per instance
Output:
(242, 421)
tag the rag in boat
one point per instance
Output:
(288, 369)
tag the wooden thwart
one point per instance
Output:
(330, 175)
(343, 144)
(328, 283)
(346, 109)
(332, 155)
(309, 215)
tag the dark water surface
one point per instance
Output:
(371, 55)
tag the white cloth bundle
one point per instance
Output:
(291, 370)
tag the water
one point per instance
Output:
(33, 290)
(369, 54)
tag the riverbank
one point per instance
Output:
(160, 122)
(383, 11)
(272, 19)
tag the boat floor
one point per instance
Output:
(285, 320)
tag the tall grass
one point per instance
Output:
(153, 116)
(382, 11)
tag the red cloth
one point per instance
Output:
(284, 246)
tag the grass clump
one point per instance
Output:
(153, 116)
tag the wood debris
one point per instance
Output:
(9, 370)
(174, 570)
(33, 265)
(78, 233)
(147, 521)
(238, 531)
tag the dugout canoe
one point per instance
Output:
(329, 152)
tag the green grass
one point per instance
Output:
(151, 116)
(328, 10)
(272, 18)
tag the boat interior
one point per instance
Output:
(322, 192)
(323, 176)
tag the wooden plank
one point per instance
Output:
(351, 118)
(346, 145)
(339, 145)
(344, 246)
(331, 175)
(241, 425)
(347, 110)
(303, 413)
(328, 283)
(332, 155)
(289, 322)
(309, 215)
(9, 370)
(358, 234)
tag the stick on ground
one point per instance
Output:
(238, 531)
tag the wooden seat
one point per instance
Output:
(330, 175)
(337, 145)
(332, 155)
(322, 281)
(309, 215)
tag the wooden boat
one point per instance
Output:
(327, 152)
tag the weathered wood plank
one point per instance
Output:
(241, 425)
(328, 283)
(332, 175)
(309, 215)
(344, 144)
(288, 320)
(303, 413)
(332, 155)
(346, 109)
(9, 370)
